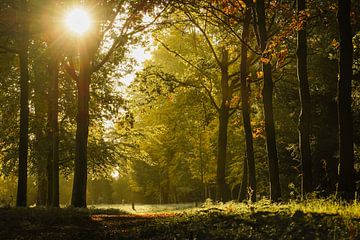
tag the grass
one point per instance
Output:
(146, 208)
(311, 219)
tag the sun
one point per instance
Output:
(78, 21)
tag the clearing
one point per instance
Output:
(318, 219)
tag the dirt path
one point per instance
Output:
(128, 226)
(70, 224)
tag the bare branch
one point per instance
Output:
(208, 91)
(123, 37)
(205, 36)
(232, 30)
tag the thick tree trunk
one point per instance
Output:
(41, 190)
(346, 148)
(82, 131)
(305, 113)
(21, 199)
(275, 190)
(245, 104)
(54, 128)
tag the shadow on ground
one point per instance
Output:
(66, 224)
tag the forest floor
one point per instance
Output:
(318, 219)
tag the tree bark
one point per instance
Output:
(245, 104)
(21, 199)
(222, 191)
(305, 113)
(50, 173)
(54, 128)
(267, 92)
(40, 93)
(346, 148)
(244, 182)
(82, 130)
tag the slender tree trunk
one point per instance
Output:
(245, 104)
(244, 182)
(202, 173)
(54, 128)
(21, 199)
(53, 102)
(346, 168)
(304, 95)
(40, 93)
(267, 92)
(82, 130)
(50, 172)
(221, 190)
(41, 181)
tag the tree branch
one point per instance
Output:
(70, 69)
(205, 36)
(122, 38)
(208, 91)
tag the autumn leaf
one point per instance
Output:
(260, 74)
(264, 60)
(335, 44)
(234, 101)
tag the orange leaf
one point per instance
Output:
(264, 60)
(260, 74)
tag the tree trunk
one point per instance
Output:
(346, 148)
(245, 104)
(304, 95)
(221, 188)
(50, 173)
(21, 199)
(41, 181)
(54, 128)
(244, 182)
(201, 166)
(82, 130)
(267, 92)
(222, 191)
(40, 93)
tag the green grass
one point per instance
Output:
(311, 219)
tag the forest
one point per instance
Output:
(223, 104)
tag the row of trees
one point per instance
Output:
(231, 50)
(71, 65)
(219, 99)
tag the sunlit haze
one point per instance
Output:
(78, 21)
(140, 54)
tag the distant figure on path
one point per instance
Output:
(133, 206)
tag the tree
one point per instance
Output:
(346, 148)
(92, 60)
(304, 95)
(37, 124)
(21, 199)
(249, 165)
(275, 190)
(53, 95)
